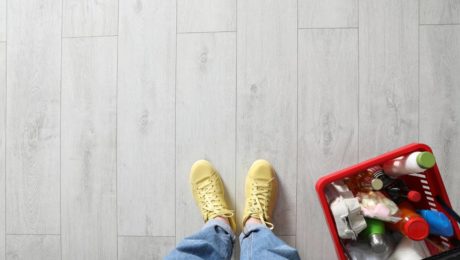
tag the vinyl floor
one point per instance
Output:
(105, 105)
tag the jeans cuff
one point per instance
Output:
(221, 224)
(251, 227)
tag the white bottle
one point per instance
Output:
(410, 249)
(413, 163)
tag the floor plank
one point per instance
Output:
(290, 240)
(144, 248)
(328, 13)
(267, 100)
(37, 247)
(147, 45)
(2, 20)
(206, 92)
(439, 95)
(328, 126)
(33, 60)
(388, 63)
(206, 15)
(90, 17)
(439, 11)
(127, 149)
(89, 81)
(2, 147)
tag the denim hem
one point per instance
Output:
(223, 225)
(251, 227)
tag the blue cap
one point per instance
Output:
(439, 223)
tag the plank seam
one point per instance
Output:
(60, 134)
(89, 36)
(116, 125)
(320, 28)
(205, 32)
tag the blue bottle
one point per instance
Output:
(439, 223)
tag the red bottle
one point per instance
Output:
(412, 225)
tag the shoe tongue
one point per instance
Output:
(202, 182)
(261, 181)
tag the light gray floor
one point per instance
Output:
(104, 106)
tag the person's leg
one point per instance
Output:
(257, 240)
(215, 240)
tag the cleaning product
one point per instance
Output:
(398, 191)
(360, 249)
(376, 205)
(378, 173)
(415, 162)
(412, 224)
(364, 181)
(398, 194)
(439, 223)
(408, 249)
(346, 210)
(375, 232)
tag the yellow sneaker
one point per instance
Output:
(260, 190)
(208, 191)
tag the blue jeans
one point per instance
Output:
(215, 241)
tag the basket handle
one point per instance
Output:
(448, 209)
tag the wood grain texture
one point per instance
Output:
(144, 248)
(328, 124)
(439, 106)
(37, 247)
(89, 17)
(147, 46)
(2, 147)
(89, 215)
(439, 11)
(290, 240)
(267, 101)
(206, 15)
(32, 172)
(240, 97)
(2, 20)
(388, 61)
(328, 13)
(206, 103)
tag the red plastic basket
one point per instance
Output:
(429, 184)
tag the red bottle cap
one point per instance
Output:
(416, 228)
(414, 196)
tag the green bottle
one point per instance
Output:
(374, 232)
